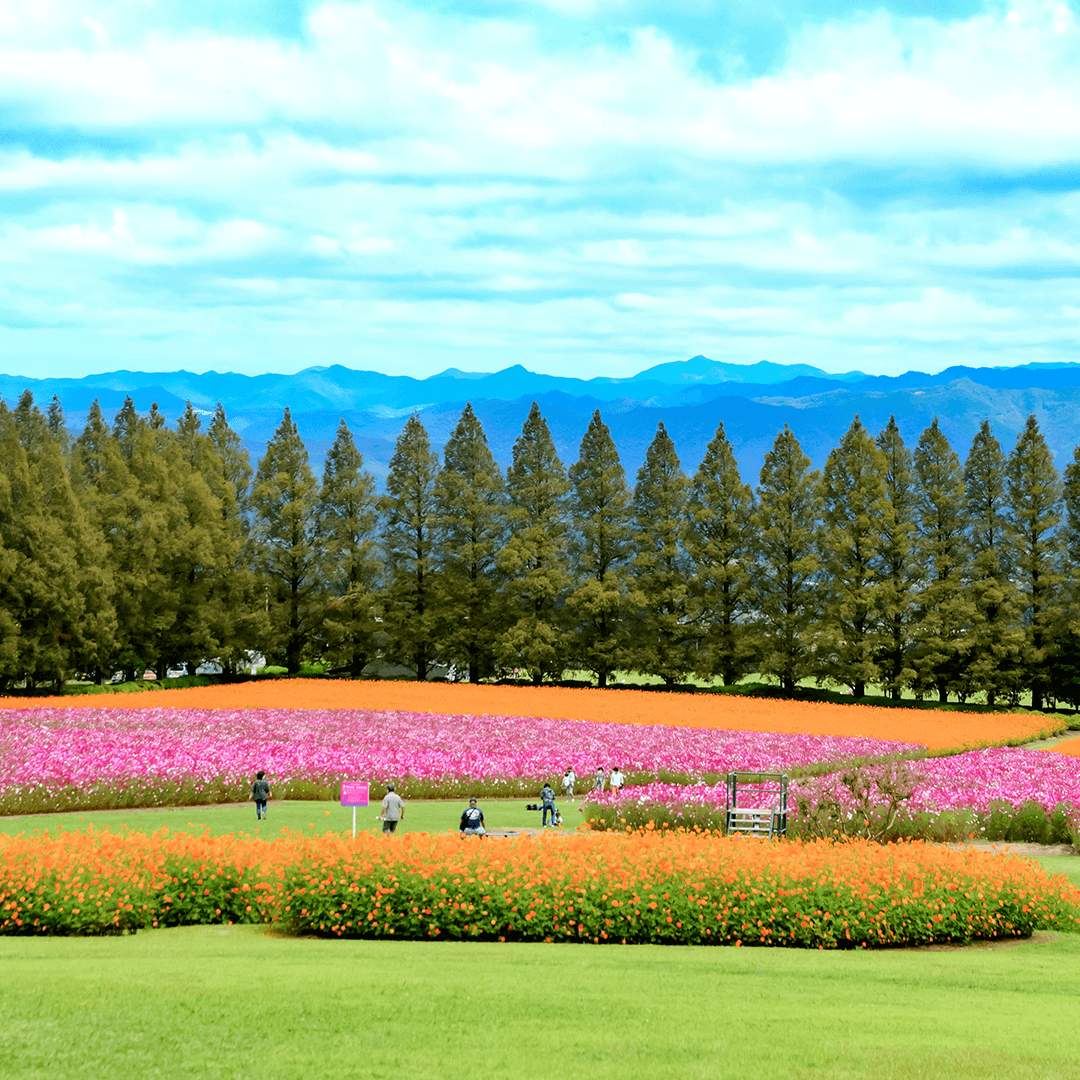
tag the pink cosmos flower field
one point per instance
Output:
(971, 781)
(133, 757)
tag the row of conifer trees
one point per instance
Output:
(142, 545)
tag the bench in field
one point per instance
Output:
(757, 804)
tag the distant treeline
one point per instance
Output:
(148, 546)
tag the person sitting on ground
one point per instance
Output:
(260, 792)
(617, 779)
(547, 801)
(472, 821)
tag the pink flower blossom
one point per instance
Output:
(149, 751)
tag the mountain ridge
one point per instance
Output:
(690, 397)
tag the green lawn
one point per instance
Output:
(429, 816)
(236, 1002)
(225, 1002)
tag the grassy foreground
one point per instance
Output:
(227, 1002)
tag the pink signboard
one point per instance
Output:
(354, 793)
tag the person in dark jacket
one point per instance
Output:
(260, 792)
(547, 805)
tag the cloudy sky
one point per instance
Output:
(585, 187)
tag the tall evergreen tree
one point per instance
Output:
(720, 542)
(996, 637)
(786, 522)
(66, 583)
(192, 553)
(1071, 541)
(64, 610)
(854, 538)
(666, 634)
(284, 502)
(901, 567)
(601, 597)
(533, 559)
(13, 663)
(470, 501)
(1033, 491)
(238, 614)
(109, 491)
(57, 426)
(348, 513)
(945, 610)
(236, 469)
(408, 535)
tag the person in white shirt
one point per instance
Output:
(393, 809)
(568, 781)
(617, 779)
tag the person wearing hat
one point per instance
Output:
(472, 821)
(393, 809)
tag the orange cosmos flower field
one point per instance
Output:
(682, 888)
(934, 729)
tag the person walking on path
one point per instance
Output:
(472, 821)
(393, 809)
(598, 780)
(568, 781)
(617, 779)
(260, 792)
(547, 805)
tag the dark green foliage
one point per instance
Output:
(470, 506)
(786, 523)
(1071, 540)
(665, 632)
(137, 545)
(856, 531)
(287, 545)
(348, 518)
(995, 639)
(1063, 669)
(533, 558)
(900, 568)
(408, 536)
(236, 608)
(722, 548)
(945, 609)
(1034, 512)
(600, 602)
(59, 592)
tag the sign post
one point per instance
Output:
(354, 794)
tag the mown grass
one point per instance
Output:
(235, 1002)
(317, 817)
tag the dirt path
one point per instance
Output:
(1003, 847)
(1046, 744)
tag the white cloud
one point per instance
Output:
(438, 183)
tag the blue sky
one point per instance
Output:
(585, 187)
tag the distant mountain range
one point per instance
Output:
(690, 397)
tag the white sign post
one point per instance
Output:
(354, 794)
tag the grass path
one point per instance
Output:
(318, 817)
(216, 1002)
